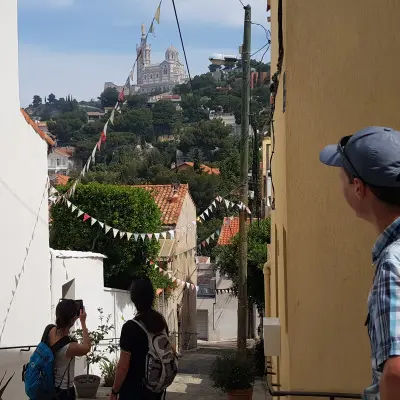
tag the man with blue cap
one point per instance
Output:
(369, 164)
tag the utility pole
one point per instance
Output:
(244, 180)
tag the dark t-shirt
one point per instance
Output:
(134, 341)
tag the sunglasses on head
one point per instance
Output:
(348, 164)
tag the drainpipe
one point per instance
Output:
(52, 305)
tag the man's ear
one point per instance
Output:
(359, 188)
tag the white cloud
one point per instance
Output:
(83, 75)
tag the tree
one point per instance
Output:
(227, 260)
(137, 121)
(51, 99)
(164, 117)
(126, 208)
(109, 97)
(213, 67)
(37, 101)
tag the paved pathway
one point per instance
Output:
(192, 380)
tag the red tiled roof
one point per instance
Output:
(230, 228)
(169, 202)
(61, 180)
(45, 137)
(65, 151)
(205, 168)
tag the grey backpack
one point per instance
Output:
(161, 361)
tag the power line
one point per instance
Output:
(241, 2)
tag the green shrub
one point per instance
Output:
(108, 369)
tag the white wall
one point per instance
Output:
(23, 166)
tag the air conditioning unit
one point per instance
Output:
(272, 337)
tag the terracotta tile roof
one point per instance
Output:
(230, 228)
(45, 137)
(61, 180)
(65, 151)
(168, 201)
(205, 168)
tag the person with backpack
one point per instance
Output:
(148, 363)
(50, 372)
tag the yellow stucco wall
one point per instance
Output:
(342, 65)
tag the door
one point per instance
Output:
(202, 324)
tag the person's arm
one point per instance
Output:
(80, 349)
(387, 326)
(127, 341)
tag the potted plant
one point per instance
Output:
(87, 385)
(108, 369)
(234, 374)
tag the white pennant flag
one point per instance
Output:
(169, 275)
(214, 203)
(94, 152)
(121, 234)
(101, 224)
(172, 233)
(107, 228)
(213, 236)
(206, 212)
(197, 288)
(105, 129)
(80, 212)
(128, 235)
(164, 235)
(188, 285)
(219, 199)
(73, 208)
(69, 204)
(173, 279)
(112, 116)
(93, 221)
(143, 236)
(157, 236)
(227, 203)
(53, 190)
(136, 236)
(208, 240)
(115, 232)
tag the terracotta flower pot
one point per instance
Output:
(241, 394)
(86, 386)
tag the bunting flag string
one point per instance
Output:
(117, 233)
(228, 204)
(205, 242)
(117, 108)
(178, 281)
(230, 290)
(17, 277)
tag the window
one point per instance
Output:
(58, 162)
(151, 76)
(165, 71)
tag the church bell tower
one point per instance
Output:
(144, 55)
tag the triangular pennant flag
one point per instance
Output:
(85, 217)
(212, 236)
(121, 234)
(160, 269)
(158, 13)
(192, 286)
(164, 235)
(93, 221)
(101, 224)
(115, 232)
(80, 212)
(169, 275)
(105, 129)
(227, 203)
(183, 283)
(178, 281)
(172, 233)
(151, 30)
(188, 285)
(53, 190)
(197, 288)
(214, 203)
(69, 204)
(157, 236)
(173, 279)
(73, 208)
(128, 235)
(113, 113)
(103, 137)
(99, 144)
(136, 236)
(203, 243)
(131, 75)
(150, 236)
(143, 236)
(94, 152)
(217, 232)
(208, 240)
(107, 228)
(206, 212)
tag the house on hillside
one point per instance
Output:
(177, 255)
(62, 161)
(187, 165)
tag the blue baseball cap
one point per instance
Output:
(371, 154)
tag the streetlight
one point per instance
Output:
(221, 59)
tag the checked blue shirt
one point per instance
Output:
(384, 305)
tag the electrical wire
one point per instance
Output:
(241, 2)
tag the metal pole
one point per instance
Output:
(244, 166)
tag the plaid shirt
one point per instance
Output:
(384, 305)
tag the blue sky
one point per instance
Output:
(74, 46)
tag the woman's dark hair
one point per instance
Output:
(142, 294)
(65, 312)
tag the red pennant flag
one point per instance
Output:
(103, 137)
(85, 217)
(203, 243)
(121, 97)
(151, 262)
